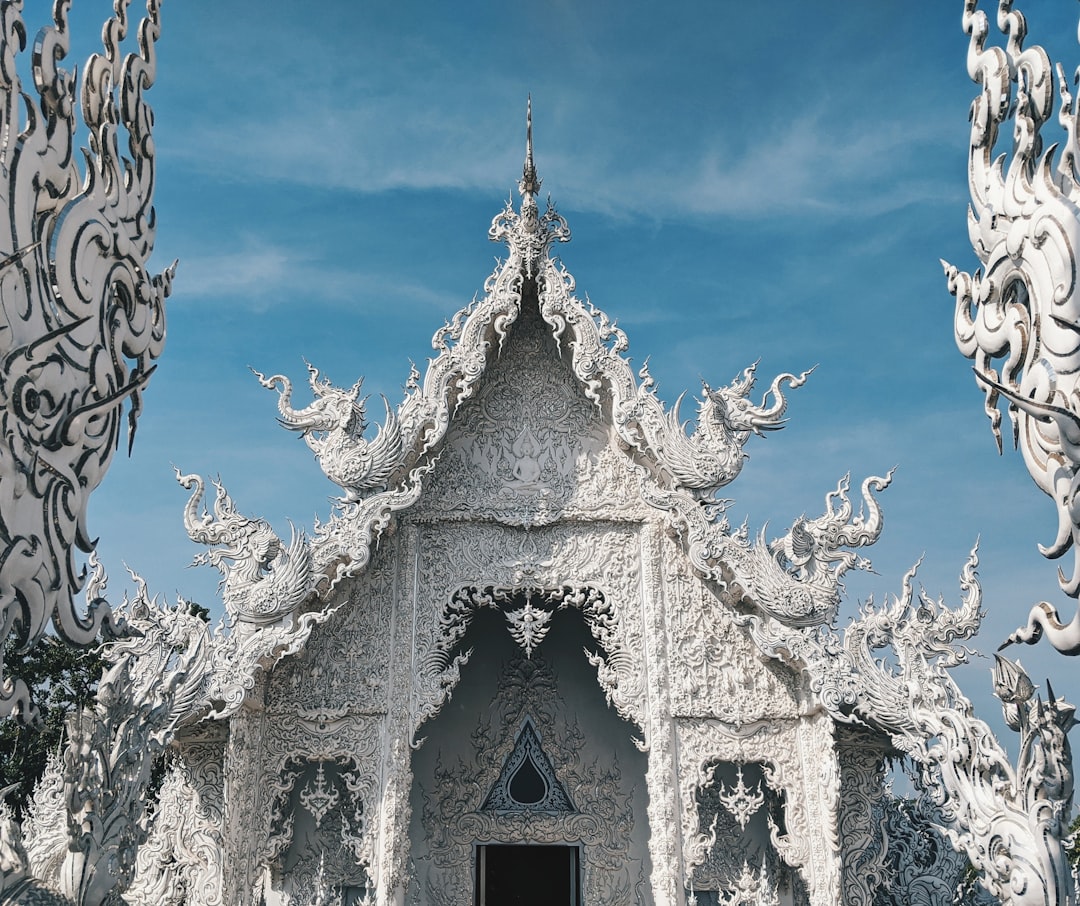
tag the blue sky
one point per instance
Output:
(771, 180)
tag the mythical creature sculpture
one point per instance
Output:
(1018, 318)
(263, 581)
(81, 320)
(1010, 821)
(712, 456)
(333, 427)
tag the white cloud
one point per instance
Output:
(260, 274)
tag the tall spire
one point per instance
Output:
(528, 234)
(530, 183)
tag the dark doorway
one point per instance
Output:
(526, 875)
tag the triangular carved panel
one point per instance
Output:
(528, 781)
(529, 448)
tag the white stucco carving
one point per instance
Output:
(83, 320)
(1017, 316)
(381, 702)
(1008, 819)
(594, 810)
(333, 427)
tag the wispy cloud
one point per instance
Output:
(815, 163)
(259, 274)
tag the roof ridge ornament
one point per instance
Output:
(528, 234)
(530, 183)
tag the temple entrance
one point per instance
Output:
(528, 787)
(527, 875)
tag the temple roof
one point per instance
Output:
(795, 578)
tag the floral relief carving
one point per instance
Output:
(790, 766)
(344, 661)
(717, 669)
(318, 828)
(528, 447)
(182, 861)
(293, 741)
(723, 820)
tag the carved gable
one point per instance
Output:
(528, 447)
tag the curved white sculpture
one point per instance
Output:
(81, 840)
(1019, 317)
(333, 427)
(263, 581)
(82, 319)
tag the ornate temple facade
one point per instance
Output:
(527, 660)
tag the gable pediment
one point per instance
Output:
(528, 447)
(530, 413)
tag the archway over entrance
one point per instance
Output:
(527, 762)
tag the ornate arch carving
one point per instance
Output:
(797, 761)
(599, 816)
(488, 564)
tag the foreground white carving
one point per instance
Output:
(1009, 821)
(528, 483)
(81, 318)
(1018, 317)
(80, 840)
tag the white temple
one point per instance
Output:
(528, 660)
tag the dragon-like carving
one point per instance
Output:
(333, 427)
(81, 319)
(1010, 821)
(1019, 317)
(712, 455)
(263, 581)
(797, 578)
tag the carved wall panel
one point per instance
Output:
(318, 844)
(602, 556)
(797, 761)
(529, 447)
(716, 670)
(344, 664)
(350, 747)
(546, 707)
(181, 862)
(736, 808)
(862, 755)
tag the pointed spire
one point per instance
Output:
(530, 183)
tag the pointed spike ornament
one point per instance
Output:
(530, 182)
(528, 234)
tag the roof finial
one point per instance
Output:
(530, 184)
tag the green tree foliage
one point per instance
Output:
(62, 679)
